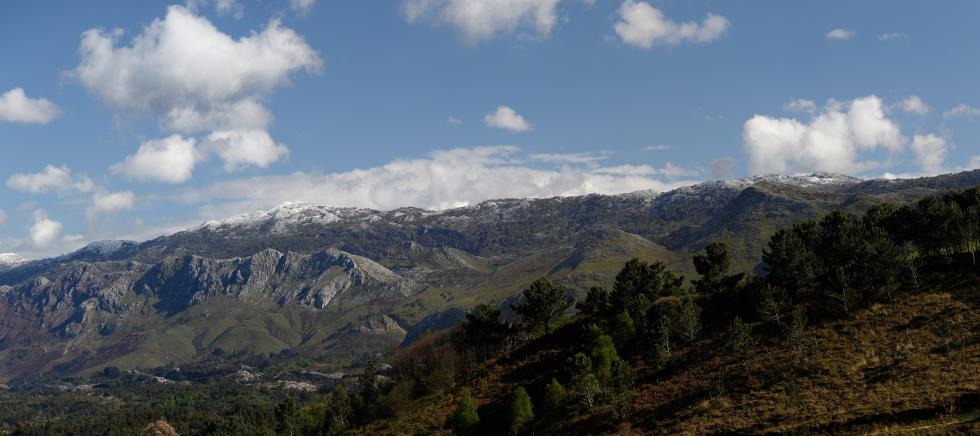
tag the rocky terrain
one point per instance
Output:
(342, 282)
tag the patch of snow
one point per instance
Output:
(11, 259)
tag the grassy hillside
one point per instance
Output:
(911, 365)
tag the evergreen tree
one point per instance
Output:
(338, 411)
(712, 266)
(286, 413)
(623, 330)
(796, 331)
(620, 391)
(466, 417)
(543, 303)
(740, 342)
(367, 384)
(638, 285)
(596, 302)
(585, 386)
(603, 356)
(790, 260)
(483, 330)
(554, 395)
(772, 303)
(521, 410)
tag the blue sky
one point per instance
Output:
(200, 110)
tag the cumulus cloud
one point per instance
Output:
(644, 26)
(963, 111)
(506, 118)
(242, 148)
(800, 105)
(832, 141)
(914, 105)
(480, 20)
(17, 107)
(44, 232)
(112, 201)
(840, 35)
(445, 179)
(51, 179)
(109, 202)
(192, 77)
(169, 160)
(931, 152)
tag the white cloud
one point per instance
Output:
(658, 147)
(974, 163)
(894, 36)
(170, 160)
(723, 168)
(242, 148)
(17, 107)
(50, 179)
(914, 105)
(454, 121)
(800, 105)
(104, 202)
(480, 20)
(506, 118)
(220, 6)
(962, 110)
(447, 178)
(194, 78)
(931, 152)
(840, 34)
(832, 141)
(302, 6)
(644, 26)
(570, 158)
(45, 231)
(3, 217)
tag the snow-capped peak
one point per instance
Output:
(286, 215)
(11, 259)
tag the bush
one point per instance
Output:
(521, 410)
(465, 418)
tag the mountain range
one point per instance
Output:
(343, 283)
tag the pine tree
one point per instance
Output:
(772, 303)
(623, 330)
(596, 303)
(638, 285)
(620, 390)
(286, 417)
(741, 342)
(603, 356)
(367, 384)
(466, 417)
(543, 303)
(713, 266)
(338, 411)
(521, 410)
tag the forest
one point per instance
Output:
(587, 366)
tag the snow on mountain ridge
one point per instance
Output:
(11, 259)
(291, 213)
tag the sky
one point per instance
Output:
(129, 120)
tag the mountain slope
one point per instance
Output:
(315, 279)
